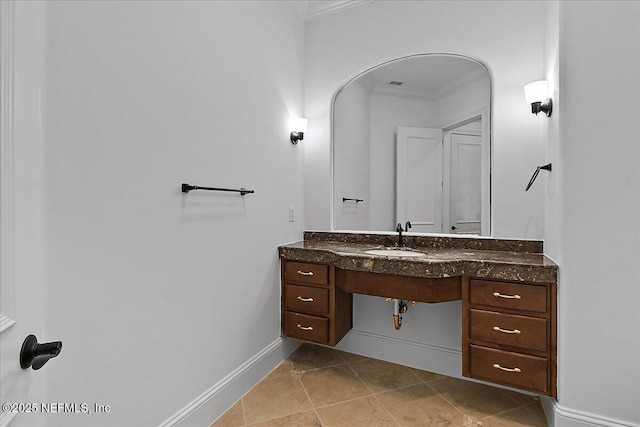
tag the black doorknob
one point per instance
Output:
(35, 355)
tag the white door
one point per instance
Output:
(419, 178)
(21, 202)
(465, 197)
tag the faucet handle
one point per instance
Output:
(407, 226)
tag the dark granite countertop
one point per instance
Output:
(444, 257)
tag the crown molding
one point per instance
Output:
(403, 92)
(458, 83)
(331, 7)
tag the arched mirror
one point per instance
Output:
(412, 143)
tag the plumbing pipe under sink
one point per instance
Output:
(399, 307)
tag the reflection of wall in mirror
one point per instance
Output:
(387, 112)
(351, 158)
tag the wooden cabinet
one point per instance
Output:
(508, 328)
(313, 308)
(509, 334)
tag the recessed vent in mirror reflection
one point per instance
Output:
(418, 151)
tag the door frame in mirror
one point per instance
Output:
(484, 115)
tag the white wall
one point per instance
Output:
(387, 113)
(592, 222)
(465, 101)
(158, 295)
(352, 130)
(505, 36)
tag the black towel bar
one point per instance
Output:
(186, 188)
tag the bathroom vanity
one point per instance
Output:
(507, 287)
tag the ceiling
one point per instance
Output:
(433, 75)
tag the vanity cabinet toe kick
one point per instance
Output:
(508, 328)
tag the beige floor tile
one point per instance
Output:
(525, 416)
(521, 398)
(285, 368)
(275, 397)
(473, 399)
(302, 419)
(420, 405)
(426, 375)
(351, 357)
(383, 376)
(364, 412)
(342, 398)
(234, 417)
(332, 385)
(309, 356)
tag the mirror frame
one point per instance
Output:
(487, 181)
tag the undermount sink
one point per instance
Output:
(400, 253)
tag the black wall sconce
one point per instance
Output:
(298, 128)
(536, 94)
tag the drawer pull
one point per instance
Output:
(506, 331)
(305, 328)
(499, 295)
(305, 299)
(305, 273)
(495, 365)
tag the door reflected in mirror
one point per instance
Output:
(411, 142)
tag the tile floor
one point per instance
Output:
(320, 386)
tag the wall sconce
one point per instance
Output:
(536, 94)
(298, 128)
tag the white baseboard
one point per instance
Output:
(441, 360)
(211, 404)
(6, 418)
(567, 417)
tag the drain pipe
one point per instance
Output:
(399, 307)
(397, 317)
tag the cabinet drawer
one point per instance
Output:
(306, 299)
(508, 329)
(315, 274)
(305, 327)
(508, 295)
(505, 367)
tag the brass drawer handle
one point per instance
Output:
(305, 328)
(516, 370)
(305, 273)
(499, 295)
(506, 331)
(305, 299)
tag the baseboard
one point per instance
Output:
(211, 404)
(548, 405)
(6, 418)
(567, 417)
(427, 357)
